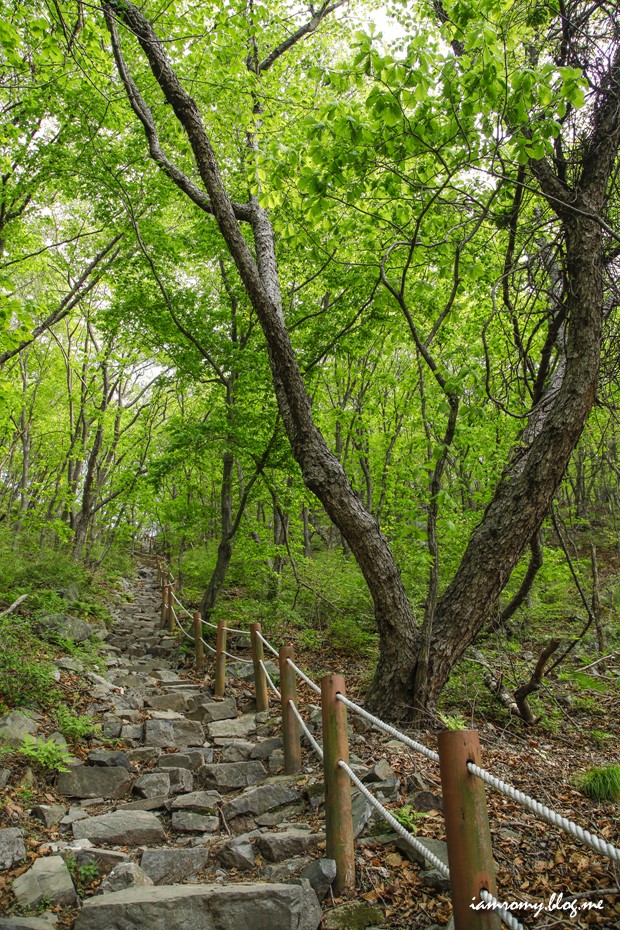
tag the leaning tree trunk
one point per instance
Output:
(528, 485)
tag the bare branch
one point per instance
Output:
(307, 29)
(144, 114)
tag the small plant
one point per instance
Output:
(44, 753)
(601, 784)
(75, 726)
(601, 738)
(88, 873)
(453, 721)
(408, 817)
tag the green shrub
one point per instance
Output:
(75, 726)
(44, 753)
(26, 678)
(601, 784)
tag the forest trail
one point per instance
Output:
(192, 806)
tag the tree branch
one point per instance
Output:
(307, 29)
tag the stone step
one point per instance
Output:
(204, 907)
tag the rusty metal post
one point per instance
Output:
(338, 817)
(164, 605)
(258, 655)
(220, 659)
(199, 649)
(171, 623)
(470, 854)
(290, 726)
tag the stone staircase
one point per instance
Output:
(190, 823)
(188, 809)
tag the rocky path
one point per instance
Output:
(166, 818)
(190, 822)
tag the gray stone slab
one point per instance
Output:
(122, 828)
(12, 847)
(204, 907)
(229, 776)
(94, 781)
(259, 800)
(48, 879)
(240, 727)
(178, 734)
(289, 843)
(167, 865)
(201, 802)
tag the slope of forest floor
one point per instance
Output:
(534, 861)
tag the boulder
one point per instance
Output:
(174, 700)
(258, 800)
(321, 874)
(47, 880)
(178, 733)
(49, 814)
(188, 822)
(229, 776)
(93, 781)
(239, 727)
(126, 828)
(289, 843)
(200, 802)
(204, 907)
(14, 726)
(237, 854)
(165, 866)
(125, 875)
(181, 780)
(12, 847)
(153, 785)
(208, 711)
(110, 757)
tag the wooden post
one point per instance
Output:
(171, 623)
(220, 659)
(258, 654)
(164, 605)
(467, 830)
(290, 726)
(338, 817)
(199, 649)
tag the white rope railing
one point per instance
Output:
(302, 723)
(376, 721)
(207, 646)
(304, 677)
(269, 681)
(505, 916)
(231, 629)
(178, 623)
(435, 861)
(236, 658)
(208, 623)
(419, 846)
(547, 813)
(266, 643)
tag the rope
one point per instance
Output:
(269, 681)
(236, 658)
(546, 813)
(181, 605)
(207, 623)
(267, 644)
(505, 916)
(419, 747)
(305, 678)
(302, 723)
(394, 823)
(176, 620)
(207, 646)
(230, 629)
